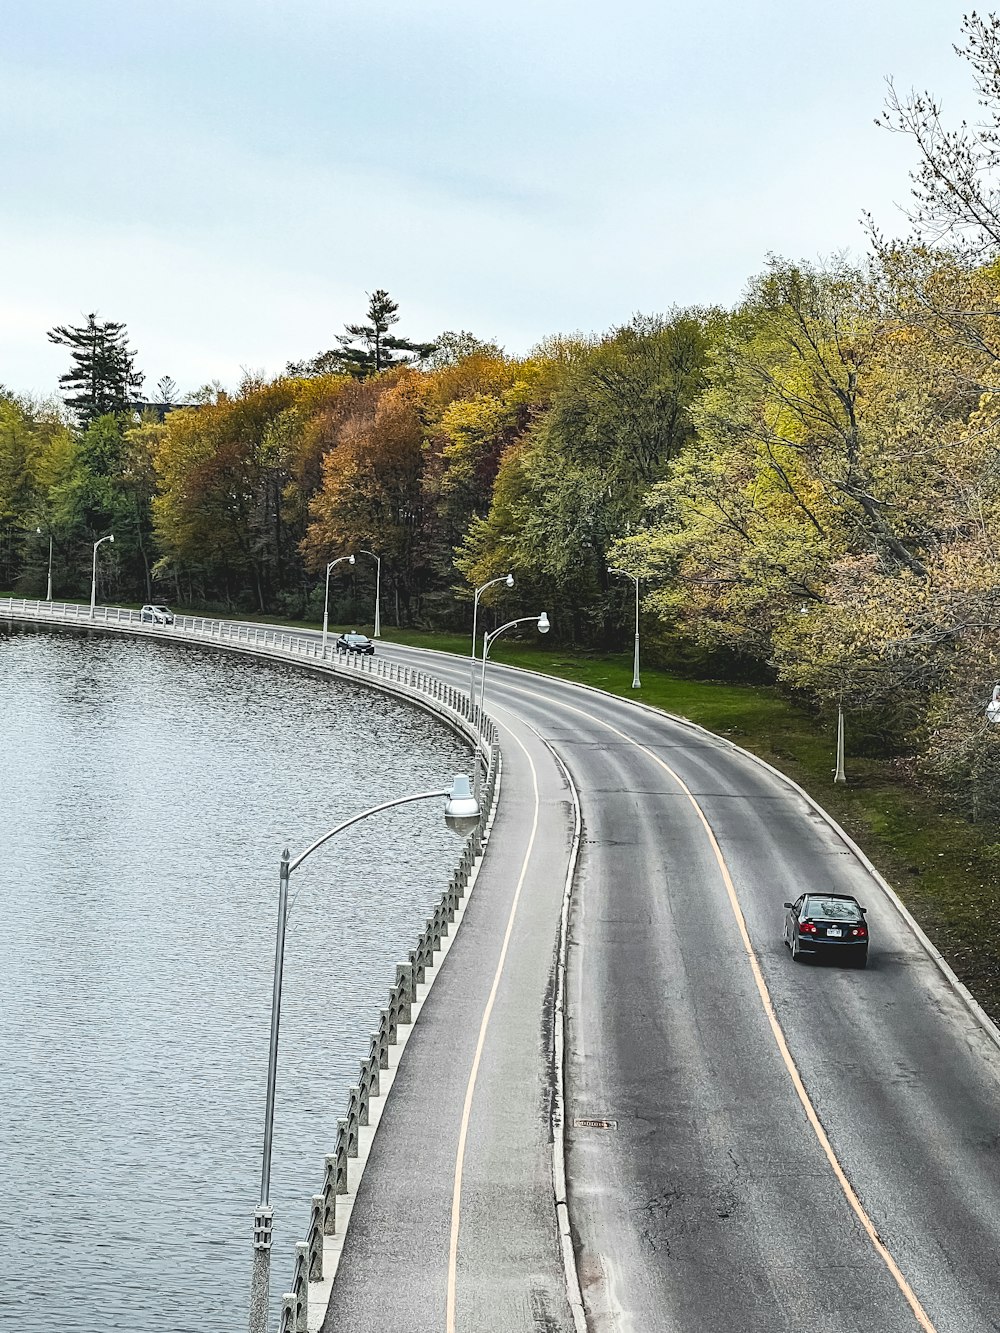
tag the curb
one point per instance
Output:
(973, 1006)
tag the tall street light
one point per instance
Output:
(93, 577)
(461, 809)
(378, 589)
(326, 595)
(635, 654)
(542, 621)
(504, 578)
(48, 594)
(839, 775)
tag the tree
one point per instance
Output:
(945, 275)
(372, 494)
(955, 194)
(451, 347)
(102, 378)
(222, 469)
(366, 349)
(166, 388)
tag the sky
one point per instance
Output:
(230, 178)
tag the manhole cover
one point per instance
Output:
(587, 1122)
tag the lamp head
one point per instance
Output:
(350, 559)
(543, 624)
(461, 813)
(39, 531)
(509, 579)
(111, 536)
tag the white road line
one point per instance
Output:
(857, 1206)
(456, 1197)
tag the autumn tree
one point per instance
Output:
(371, 494)
(222, 469)
(616, 413)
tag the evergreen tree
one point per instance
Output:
(102, 378)
(366, 349)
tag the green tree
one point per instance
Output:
(369, 348)
(102, 378)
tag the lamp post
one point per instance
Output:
(326, 595)
(460, 809)
(48, 593)
(635, 653)
(378, 590)
(839, 775)
(93, 577)
(504, 578)
(542, 621)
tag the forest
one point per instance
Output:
(807, 485)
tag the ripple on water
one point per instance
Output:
(146, 793)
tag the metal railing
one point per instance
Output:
(309, 1259)
(406, 682)
(282, 644)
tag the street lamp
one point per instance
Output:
(48, 594)
(504, 578)
(326, 596)
(93, 578)
(542, 621)
(635, 654)
(378, 588)
(839, 774)
(460, 809)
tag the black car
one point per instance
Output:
(830, 924)
(355, 643)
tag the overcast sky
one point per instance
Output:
(230, 177)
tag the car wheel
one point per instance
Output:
(861, 960)
(794, 946)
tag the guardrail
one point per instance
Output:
(304, 649)
(439, 697)
(311, 1254)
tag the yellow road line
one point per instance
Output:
(919, 1312)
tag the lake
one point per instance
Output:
(146, 794)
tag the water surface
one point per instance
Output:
(146, 793)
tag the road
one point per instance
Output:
(790, 1146)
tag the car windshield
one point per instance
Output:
(832, 909)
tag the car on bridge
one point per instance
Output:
(355, 643)
(156, 615)
(828, 925)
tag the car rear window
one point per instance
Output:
(832, 909)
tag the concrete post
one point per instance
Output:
(260, 1278)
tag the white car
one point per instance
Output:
(157, 615)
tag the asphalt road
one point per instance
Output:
(771, 1145)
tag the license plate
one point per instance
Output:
(835, 931)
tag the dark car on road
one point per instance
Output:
(355, 643)
(827, 924)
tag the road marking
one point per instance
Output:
(456, 1194)
(857, 1206)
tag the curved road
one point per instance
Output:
(789, 1146)
(751, 1143)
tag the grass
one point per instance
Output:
(946, 870)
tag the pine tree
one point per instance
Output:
(102, 378)
(366, 349)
